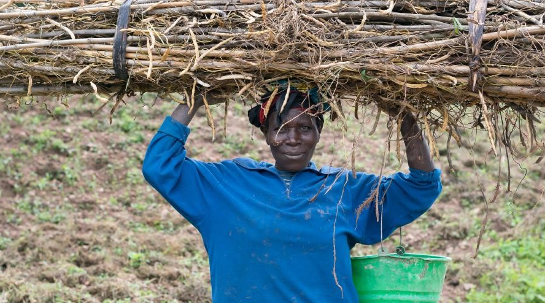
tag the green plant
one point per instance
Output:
(140, 227)
(47, 216)
(126, 300)
(125, 121)
(13, 219)
(59, 145)
(517, 272)
(4, 164)
(139, 206)
(134, 176)
(42, 139)
(75, 270)
(69, 175)
(21, 153)
(29, 206)
(234, 145)
(166, 227)
(4, 241)
(136, 137)
(90, 124)
(37, 120)
(60, 111)
(19, 118)
(44, 182)
(4, 129)
(113, 200)
(136, 259)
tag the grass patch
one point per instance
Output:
(516, 272)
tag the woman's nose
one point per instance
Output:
(293, 137)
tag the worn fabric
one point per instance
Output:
(271, 243)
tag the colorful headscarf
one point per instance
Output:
(300, 96)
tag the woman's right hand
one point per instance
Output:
(212, 97)
(184, 114)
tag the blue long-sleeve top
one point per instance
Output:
(271, 243)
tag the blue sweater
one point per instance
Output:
(269, 243)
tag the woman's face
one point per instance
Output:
(292, 143)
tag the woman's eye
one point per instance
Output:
(305, 128)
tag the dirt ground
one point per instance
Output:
(80, 224)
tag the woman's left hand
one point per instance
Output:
(418, 152)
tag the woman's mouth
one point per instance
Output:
(293, 155)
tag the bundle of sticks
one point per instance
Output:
(454, 63)
(430, 56)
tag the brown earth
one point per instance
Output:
(79, 223)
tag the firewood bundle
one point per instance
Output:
(436, 58)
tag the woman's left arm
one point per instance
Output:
(403, 197)
(418, 152)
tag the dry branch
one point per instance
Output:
(415, 52)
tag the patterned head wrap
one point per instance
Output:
(300, 96)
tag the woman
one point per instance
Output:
(283, 232)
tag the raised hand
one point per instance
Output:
(184, 113)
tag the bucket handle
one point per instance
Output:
(400, 250)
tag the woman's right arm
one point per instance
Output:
(183, 114)
(182, 181)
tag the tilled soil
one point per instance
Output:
(79, 223)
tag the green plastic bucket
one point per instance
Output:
(399, 278)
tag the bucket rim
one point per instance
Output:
(424, 257)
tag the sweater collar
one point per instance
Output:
(254, 165)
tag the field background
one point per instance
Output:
(80, 224)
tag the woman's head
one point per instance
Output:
(292, 141)
(291, 126)
(276, 101)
